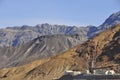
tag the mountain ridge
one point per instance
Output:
(13, 36)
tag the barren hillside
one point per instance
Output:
(39, 48)
(104, 48)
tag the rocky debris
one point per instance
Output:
(39, 48)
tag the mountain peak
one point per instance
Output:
(112, 20)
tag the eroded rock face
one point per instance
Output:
(41, 47)
(104, 48)
(13, 36)
(112, 50)
(99, 42)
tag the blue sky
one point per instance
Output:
(67, 12)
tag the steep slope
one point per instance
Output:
(73, 59)
(104, 48)
(111, 51)
(112, 20)
(47, 70)
(41, 47)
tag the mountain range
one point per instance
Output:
(104, 47)
(46, 51)
(13, 36)
(20, 45)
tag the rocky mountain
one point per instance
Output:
(103, 48)
(41, 47)
(102, 44)
(112, 20)
(111, 51)
(13, 36)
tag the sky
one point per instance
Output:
(62, 12)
